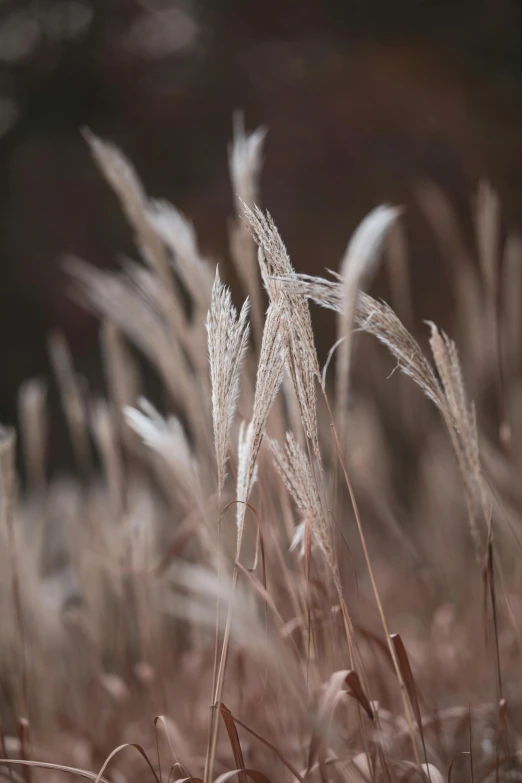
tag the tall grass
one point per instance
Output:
(267, 579)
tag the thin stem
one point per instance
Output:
(380, 608)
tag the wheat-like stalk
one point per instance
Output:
(227, 343)
(301, 356)
(269, 378)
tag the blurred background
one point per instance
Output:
(363, 100)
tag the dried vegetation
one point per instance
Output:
(255, 582)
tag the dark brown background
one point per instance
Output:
(361, 97)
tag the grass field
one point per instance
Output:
(281, 570)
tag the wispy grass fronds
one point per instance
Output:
(356, 269)
(378, 319)
(227, 343)
(122, 177)
(325, 293)
(155, 223)
(138, 317)
(167, 438)
(137, 314)
(269, 378)
(460, 419)
(244, 160)
(301, 356)
(120, 596)
(178, 234)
